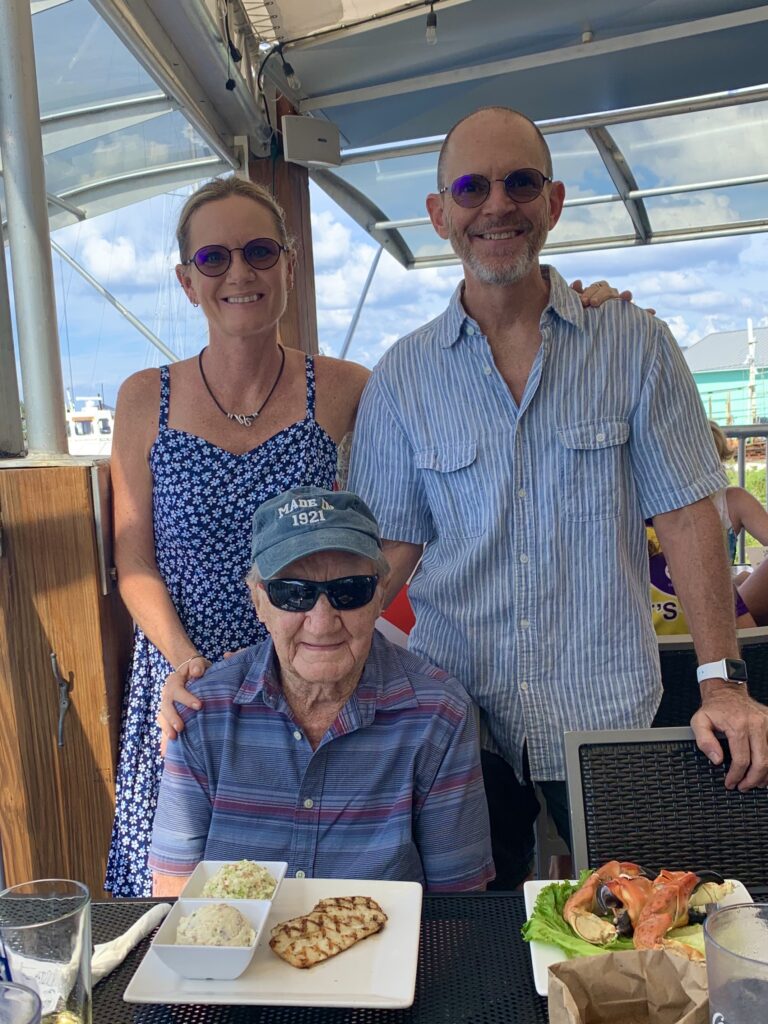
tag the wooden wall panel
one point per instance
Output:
(58, 802)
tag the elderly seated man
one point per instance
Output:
(325, 745)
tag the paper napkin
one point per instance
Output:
(109, 955)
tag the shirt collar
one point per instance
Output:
(563, 302)
(261, 681)
(384, 684)
(454, 318)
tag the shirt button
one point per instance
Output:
(524, 623)
(470, 329)
(301, 874)
(309, 804)
(524, 687)
(524, 559)
(600, 437)
(521, 492)
(487, 370)
(297, 735)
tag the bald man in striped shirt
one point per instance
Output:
(512, 449)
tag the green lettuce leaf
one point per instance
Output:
(691, 935)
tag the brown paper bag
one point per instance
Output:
(632, 987)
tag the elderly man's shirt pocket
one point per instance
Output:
(452, 485)
(591, 467)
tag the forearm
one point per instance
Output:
(168, 885)
(147, 599)
(403, 558)
(692, 541)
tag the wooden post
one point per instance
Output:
(289, 184)
(58, 801)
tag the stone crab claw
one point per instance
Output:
(624, 898)
(579, 910)
(666, 908)
(711, 888)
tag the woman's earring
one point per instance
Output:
(195, 304)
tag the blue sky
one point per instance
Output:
(698, 287)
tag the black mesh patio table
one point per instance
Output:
(474, 968)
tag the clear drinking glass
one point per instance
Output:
(45, 935)
(736, 940)
(18, 1004)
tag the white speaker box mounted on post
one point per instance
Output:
(310, 141)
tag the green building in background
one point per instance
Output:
(732, 375)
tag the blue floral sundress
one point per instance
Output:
(203, 499)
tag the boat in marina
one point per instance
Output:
(90, 425)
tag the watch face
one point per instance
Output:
(737, 669)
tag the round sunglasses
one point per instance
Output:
(521, 186)
(344, 593)
(214, 260)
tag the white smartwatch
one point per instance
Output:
(732, 669)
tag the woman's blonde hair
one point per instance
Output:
(222, 188)
(724, 450)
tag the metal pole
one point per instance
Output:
(115, 302)
(28, 232)
(742, 481)
(356, 314)
(11, 434)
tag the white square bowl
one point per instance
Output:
(206, 869)
(220, 963)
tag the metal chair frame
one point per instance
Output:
(668, 808)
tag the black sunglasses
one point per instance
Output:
(521, 186)
(214, 260)
(343, 594)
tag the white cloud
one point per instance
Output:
(330, 239)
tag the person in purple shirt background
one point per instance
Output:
(325, 745)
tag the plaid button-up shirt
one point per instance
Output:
(393, 791)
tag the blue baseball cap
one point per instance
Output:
(305, 520)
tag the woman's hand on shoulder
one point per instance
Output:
(598, 292)
(175, 690)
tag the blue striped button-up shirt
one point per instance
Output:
(394, 789)
(533, 588)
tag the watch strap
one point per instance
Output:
(732, 669)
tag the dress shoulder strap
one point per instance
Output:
(310, 365)
(165, 395)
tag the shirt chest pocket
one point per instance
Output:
(591, 469)
(453, 488)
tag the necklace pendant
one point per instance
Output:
(241, 418)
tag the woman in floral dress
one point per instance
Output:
(198, 446)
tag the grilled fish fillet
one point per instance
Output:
(334, 925)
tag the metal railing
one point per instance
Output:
(741, 434)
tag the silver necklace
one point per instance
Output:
(244, 419)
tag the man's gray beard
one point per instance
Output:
(507, 274)
(501, 274)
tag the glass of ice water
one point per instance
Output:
(18, 1004)
(45, 940)
(736, 940)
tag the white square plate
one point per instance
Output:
(207, 869)
(378, 972)
(543, 955)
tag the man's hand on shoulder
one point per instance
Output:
(728, 708)
(599, 292)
